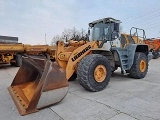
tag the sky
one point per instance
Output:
(30, 20)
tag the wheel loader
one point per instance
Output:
(40, 82)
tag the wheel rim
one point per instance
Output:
(142, 66)
(100, 73)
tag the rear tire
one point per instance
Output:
(18, 60)
(86, 72)
(140, 66)
(155, 55)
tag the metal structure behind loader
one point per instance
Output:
(37, 84)
(154, 46)
(12, 53)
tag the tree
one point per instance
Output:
(55, 39)
(68, 34)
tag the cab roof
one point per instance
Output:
(104, 20)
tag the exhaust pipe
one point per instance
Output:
(38, 84)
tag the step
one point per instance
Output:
(124, 59)
(125, 64)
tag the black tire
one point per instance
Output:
(73, 77)
(12, 63)
(135, 71)
(18, 60)
(155, 55)
(85, 72)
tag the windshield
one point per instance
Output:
(100, 32)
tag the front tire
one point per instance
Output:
(73, 77)
(139, 68)
(18, 60)
(94, 72)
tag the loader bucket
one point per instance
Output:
(38, 84)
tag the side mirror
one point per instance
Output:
(115, 35)
(116, 27)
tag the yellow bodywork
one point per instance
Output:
(7, 51)
(136, 40)
(68, 57)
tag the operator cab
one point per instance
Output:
(104, 29)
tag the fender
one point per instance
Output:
(133, 48)
(106, 53)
